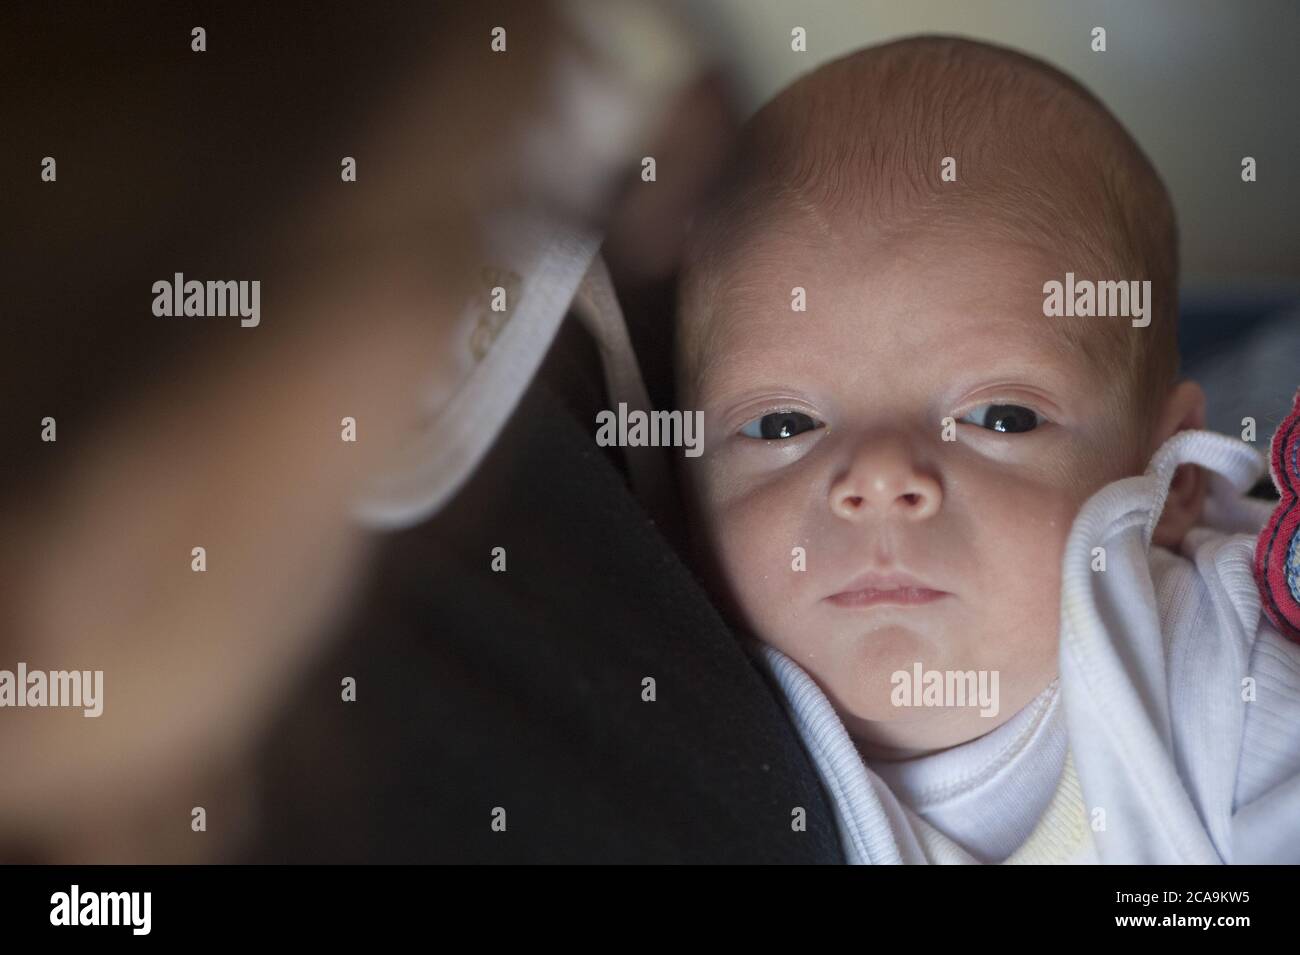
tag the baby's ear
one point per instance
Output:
(1184, 409)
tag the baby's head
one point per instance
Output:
(886, 404)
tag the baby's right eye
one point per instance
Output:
(779, 424)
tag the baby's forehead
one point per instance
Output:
(799, 259)
(881, 298)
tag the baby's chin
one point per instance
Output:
(860, 669)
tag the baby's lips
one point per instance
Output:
(896, 597)
(886, 580)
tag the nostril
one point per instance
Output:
(853, 502)
(912, 499)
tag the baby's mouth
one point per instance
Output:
(892, 589)
(901, 597)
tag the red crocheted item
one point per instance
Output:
(1277, 553)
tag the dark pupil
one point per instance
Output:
(784, 424)
(1009, 418)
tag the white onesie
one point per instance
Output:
(1172, 734)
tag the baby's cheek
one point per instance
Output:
(1021, 540)
(1038, 546)
(755, 537)
(1027, 516)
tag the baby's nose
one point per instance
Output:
(884, 481)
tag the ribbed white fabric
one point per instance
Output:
(877, 827)
(1181, 702)
(1158, 658)
(987, 795)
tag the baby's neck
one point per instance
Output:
(887, 741)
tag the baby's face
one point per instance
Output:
(824, 430)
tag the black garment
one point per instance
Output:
(523, 689)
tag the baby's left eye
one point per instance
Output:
(780, 424)
(1009, 418)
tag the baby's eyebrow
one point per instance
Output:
(1055, 371)
(724, 379)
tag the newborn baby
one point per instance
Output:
(901, 431)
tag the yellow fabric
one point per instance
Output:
(1062, 834)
